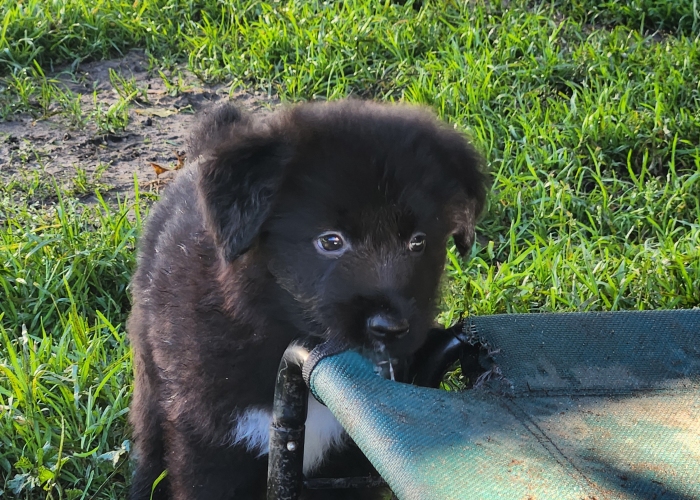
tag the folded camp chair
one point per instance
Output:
(574, 406)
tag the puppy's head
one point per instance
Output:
(350, 206)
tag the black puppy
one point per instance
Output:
(326, 219)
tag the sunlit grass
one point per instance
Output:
(65, 368)
(583, 241)
(588, 113)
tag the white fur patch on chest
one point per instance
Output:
(323, 433)
(252, 430)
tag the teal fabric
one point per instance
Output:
(580, 406)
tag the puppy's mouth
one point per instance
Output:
(384, 364)
(385, 328)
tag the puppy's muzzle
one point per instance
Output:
(387, 327)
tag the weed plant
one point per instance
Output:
(588, 113)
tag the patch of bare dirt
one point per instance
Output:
(83, 156)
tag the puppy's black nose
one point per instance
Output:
(387, 327)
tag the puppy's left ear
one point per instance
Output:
(465, 168)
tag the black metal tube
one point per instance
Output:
(440, 351)
(286, 457)
(344, 483)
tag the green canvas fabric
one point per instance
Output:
(586, 406)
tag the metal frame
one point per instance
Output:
(286, 457)
(285, 478)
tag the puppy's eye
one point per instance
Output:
(417, 243)
(331, 244)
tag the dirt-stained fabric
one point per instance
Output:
(589, 406)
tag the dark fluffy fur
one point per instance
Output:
(228, 273)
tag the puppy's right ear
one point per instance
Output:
(240, 171)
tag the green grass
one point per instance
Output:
(64, 362)
(588, 113)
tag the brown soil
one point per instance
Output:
(79, 156)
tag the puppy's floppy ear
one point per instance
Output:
(465, 168)
(241, 168)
